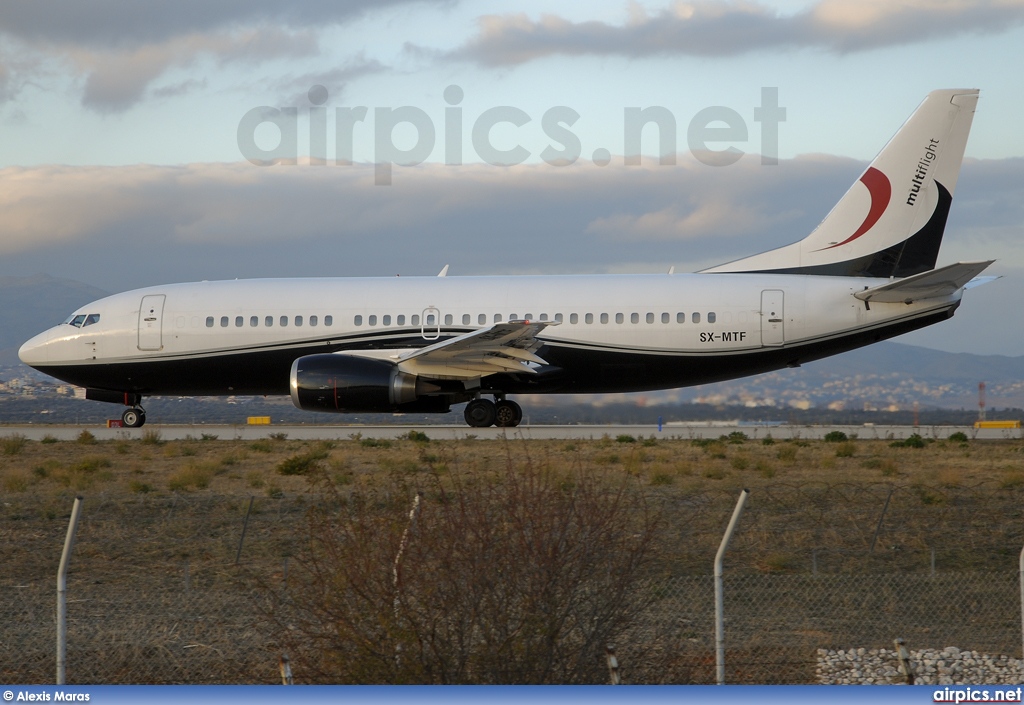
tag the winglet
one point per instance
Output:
(443, 272)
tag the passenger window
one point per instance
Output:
(312, 320)
(430, 319)
(284, 320)
(254, 321)
(223, 321)
(481, 319)
(298, 320)
(695, 317)
(619, 318)
(711, 317)
(528, 317)
(513, 317)
(328, 321)
(401, 320)
(358, 320)
(680, 318)
(386, 320)
(373, 320)
(634, 318)
(465, 319)
(574, 318)
(650, 318)
(447, 319)
(589, 318)
(497, 318)
(238, 321)
(558, 318)
(269, 321)
(543, 316)
(415, 320)
(604, 318)
(664, 318)
(209, 321)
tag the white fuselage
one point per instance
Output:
(709, 326)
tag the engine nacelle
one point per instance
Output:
(346, 383)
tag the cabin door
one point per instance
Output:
(151, 315)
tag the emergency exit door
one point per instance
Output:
(773, 319)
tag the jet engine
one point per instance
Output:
(346, 383)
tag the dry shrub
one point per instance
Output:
(13, 444)
(15, 482)
(520, 577)
(193, 476)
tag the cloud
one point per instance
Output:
(120, 48)
(295, 89)
(127, 23)
(131, 226)
(716, 28)
(115, 81)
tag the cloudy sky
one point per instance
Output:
(146, 143)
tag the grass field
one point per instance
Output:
(163, 521)
(178, 500)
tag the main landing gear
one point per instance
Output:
(133, 417)
(481, 413)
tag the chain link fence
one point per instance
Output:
(774, 626)
(154, 595)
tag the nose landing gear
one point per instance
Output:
(481, 413)
(133, 417)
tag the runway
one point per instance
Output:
(37, 432)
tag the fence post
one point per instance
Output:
(719, 591)
(903, 656)
(245, 525)
(613, 664)
(62, 584)
(1022, 600)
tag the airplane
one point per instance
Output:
(422, 344)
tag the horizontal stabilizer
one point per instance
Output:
(937, 283)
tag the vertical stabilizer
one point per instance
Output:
(890, 222)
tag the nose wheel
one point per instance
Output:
(134, 417)
(481, 413)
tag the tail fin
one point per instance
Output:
(890, 222)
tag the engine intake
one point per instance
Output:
(346, 383)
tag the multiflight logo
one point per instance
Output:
(922, 171)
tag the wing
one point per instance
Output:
(943, 281)
(504, 347)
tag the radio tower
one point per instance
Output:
(981, 401)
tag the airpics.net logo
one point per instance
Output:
(707, 132)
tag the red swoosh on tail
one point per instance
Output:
(881, 191)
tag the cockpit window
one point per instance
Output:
(83, 319)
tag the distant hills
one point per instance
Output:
(882, 376)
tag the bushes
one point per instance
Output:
(835, 437)
(303, 463)
(520, 579)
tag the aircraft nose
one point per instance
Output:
(36, 351)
